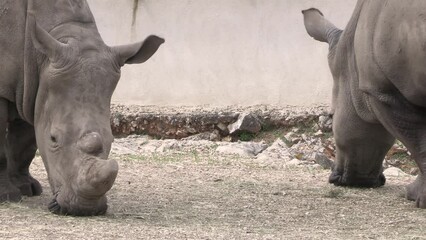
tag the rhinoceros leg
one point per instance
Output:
(406, 122)
(8, 192)
(21, 149)
(361, 148)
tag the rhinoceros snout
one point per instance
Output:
(85, 196)
(91, 143)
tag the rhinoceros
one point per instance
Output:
(379, 94)
(57, 77)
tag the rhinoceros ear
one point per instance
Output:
(43, 41)
(320, 28)
(138, 52)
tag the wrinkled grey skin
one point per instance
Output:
(379, 72)
(57, 77)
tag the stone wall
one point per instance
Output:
(182, 122)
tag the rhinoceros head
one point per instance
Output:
(77, 76)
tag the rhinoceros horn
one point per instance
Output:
(43, 41)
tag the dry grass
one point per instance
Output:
(199, 196)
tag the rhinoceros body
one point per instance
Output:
(57, 77)
(379, 71)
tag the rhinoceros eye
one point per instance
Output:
(55, 138)
(54, 141)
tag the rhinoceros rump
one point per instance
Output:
(57, 77)
(379, 93)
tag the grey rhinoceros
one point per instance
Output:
(57, 77)
(378, 65)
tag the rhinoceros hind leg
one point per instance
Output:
(407, 122)
(21, 149)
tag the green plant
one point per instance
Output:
(267, 127)
(287, 142)
(246, 136)
(195, 155)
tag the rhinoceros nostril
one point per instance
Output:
(91, 143)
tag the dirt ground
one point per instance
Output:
(200, 194)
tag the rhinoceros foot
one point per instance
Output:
(416, 192)
(27, 185)
(340, 179)
(9, 192)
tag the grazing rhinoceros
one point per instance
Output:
(57, 77)
(379, 68)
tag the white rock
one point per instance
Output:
(289, 136)
(244, 149)
(278, 150)
(295, 130)
(319, 134)
(246, 122)
(121, 150)
(294, 162)
(394, 172)
(278, 144)
(315, 167)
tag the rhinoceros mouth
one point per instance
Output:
(346, 180)
(78, 206)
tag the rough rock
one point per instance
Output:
(319, 133)
(394, 172)
(211, 136)
(246, 123)
(128, 145)
(324, 161)
(325, 123)
(277, 151)
(291, 137)
(414, 171)
(294, 162)
(315, 167)
(122, 150)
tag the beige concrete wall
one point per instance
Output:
(222, 52)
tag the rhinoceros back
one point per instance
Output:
(391, 46)
(12, 32)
